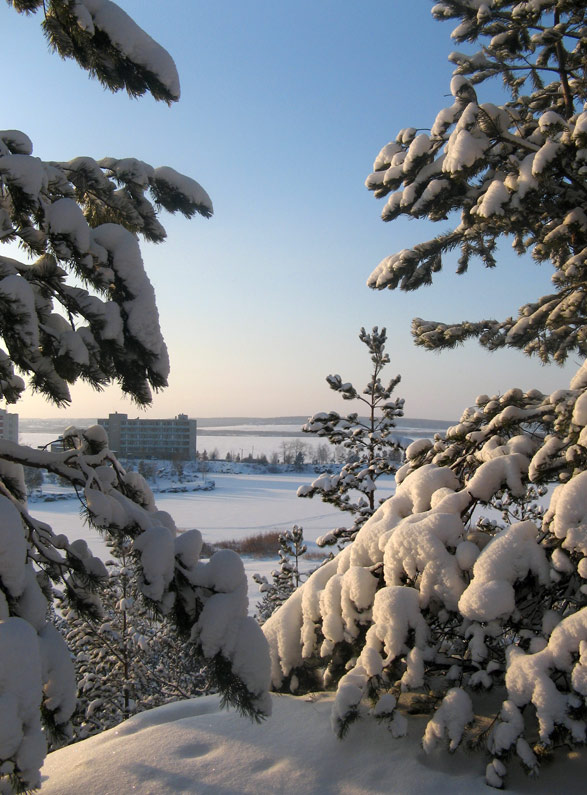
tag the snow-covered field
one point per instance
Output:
(194, 748)
(244, 505)
(239, 506)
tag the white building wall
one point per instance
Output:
(8, 426)
(137, 438)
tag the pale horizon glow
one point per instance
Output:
(283, 110)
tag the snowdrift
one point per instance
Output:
(195, 747)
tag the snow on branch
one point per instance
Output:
(515, 170)
(103, 39)
(80, 219)
(368, 445)
(461, 582)
(165, 576)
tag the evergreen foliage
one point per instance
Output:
(465, 594)
(515, 171)
(286, 578)
(80, 221)
(106, 42)
(33, 479)
(127, 659)
(370, 448)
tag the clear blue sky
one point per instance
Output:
(284, 108)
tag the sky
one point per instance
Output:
(284, 107)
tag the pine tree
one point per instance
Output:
(460, 584)
(370, 448)
(473, 576)
(287, 578)
(127, 660)
(33, 479)
(78, 222)
(515, 170)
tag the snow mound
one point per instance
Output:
(195, 747)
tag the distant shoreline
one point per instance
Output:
(224, 426)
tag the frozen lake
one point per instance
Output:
(241, 505)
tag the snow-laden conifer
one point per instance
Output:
(515, 170)
(287, 577)
(368, 441)
(103, 39)
(448, 591)
(77, 223)
(127, 659)
(464, 595)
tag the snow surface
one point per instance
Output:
(194, 747)
(20, 676)
(241, 505)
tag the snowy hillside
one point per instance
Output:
(194, 747)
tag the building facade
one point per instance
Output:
(140, 438)
(8, 426)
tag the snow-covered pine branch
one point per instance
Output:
(79, 222)
(205, 601)
(515, 170)
(438, 599)
(126, 661)
(370, 446)
(103, 39)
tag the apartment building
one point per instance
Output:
(141, 438)
(8, 426)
